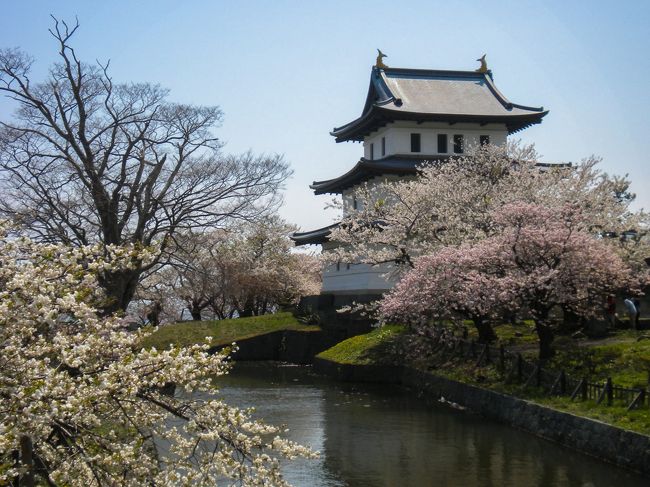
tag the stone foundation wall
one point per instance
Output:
(298, 347)
(344, 325)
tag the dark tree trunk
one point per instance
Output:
(485, 331)
(245, 313)
(570, 320)
(545, 336)
(248, 308)
(153, 316)
(26, 461)
(120, 287)
(195, 311)
(544, 331)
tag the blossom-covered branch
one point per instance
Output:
(92, 406)
(537, 259)
(452, 202)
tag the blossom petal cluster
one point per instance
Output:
(97, 408)
(452, 202)
(247, 270)
(538, 258)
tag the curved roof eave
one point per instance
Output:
(313, 237)
(366, 169)
(340, 132)
(320, 187)
(379, 116)
(392, 165)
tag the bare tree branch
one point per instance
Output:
(88, 160)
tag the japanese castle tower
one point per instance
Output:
(411, 116)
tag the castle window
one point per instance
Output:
(383, 146)
(442, 143)
(338, 266)
(347, 266)
(485, 139)
(458, 144)
(354, 203)
(415, 143)
(372, 151)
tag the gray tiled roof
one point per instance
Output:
(435, 95)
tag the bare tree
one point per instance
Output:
(88, 160)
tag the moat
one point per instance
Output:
(381, 435)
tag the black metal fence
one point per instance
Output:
(515, 369)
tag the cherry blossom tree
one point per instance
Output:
(453, 284)
(82, 405)
(453, 201)
(538, 258)
(556, 263)
(239, 271)
(269, 275)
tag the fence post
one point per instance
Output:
(638, 400)
(579, 389)
(485, 354)
(559, 385)
(610, 391)
(502, 358)
(520, 367)
(584, 389)
(471, 349)
(607, 392)
(534, 376)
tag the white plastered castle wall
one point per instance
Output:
(398, 137)
(356, 278)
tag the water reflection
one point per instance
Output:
(384, 436)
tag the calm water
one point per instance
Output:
(383, 436)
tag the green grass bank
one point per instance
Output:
(223, 332)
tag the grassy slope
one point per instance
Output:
(489, 377)
(223, 331)
(371, 348)
(624, 356)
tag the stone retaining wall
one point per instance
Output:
(295, 346)
(614, 445)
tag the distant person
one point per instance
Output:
(631, 311)
(637, 305)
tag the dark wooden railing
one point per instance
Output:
(516, 369)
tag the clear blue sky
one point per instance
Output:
(286, 72)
